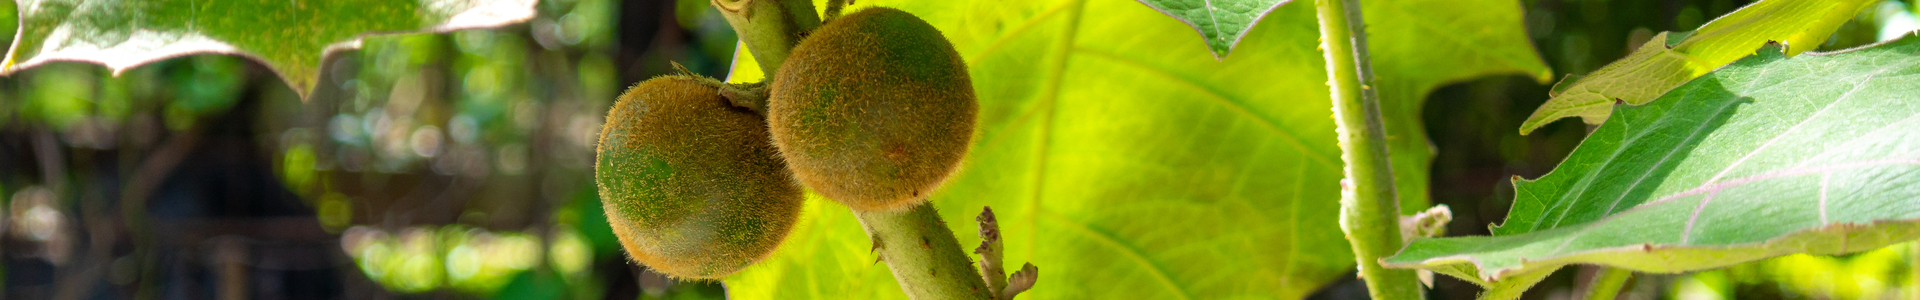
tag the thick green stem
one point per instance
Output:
(1607, 284)
(1369, 206)
(923, 254)
(770, 28)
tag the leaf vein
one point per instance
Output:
(1223, 100)
(1663, 161)
(1706, 188)
(1796, 126)
(1128, 251)
(1023, 28)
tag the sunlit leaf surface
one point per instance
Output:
(1663, 64)
(1770, 155)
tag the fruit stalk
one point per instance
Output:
(1607, 284)
(1369, 205)
(770, 28)
(923, 254)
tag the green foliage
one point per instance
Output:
(1222, 23)
(1159, 174)
(1767, 156)
(289, 36)
(1669, 60)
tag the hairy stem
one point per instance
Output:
(770, 28)
(1369, 206)
(923, 254)
(1607, 284)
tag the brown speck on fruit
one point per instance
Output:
(897, 152)
(924, 243)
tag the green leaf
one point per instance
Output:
(288, 36)
(1657, 67)
(1221, 23)
(1767, 156)
(1126, 163)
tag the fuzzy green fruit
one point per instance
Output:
(873, 110)
(691, 184)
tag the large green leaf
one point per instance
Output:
(1221, 23)
(1767, 156)
(1127, 163)
(1662, 64)
(288, 35)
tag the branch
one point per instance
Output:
(1369, 205)
(924, 256)
(770, 28)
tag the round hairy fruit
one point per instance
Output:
(691, 184)
(873, 110)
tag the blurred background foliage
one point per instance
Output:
(459, 165)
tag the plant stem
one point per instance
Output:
(1607, 284)
(770, 28)
(923, 254)
(1369, 206)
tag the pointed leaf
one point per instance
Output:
(288, 36)
(1221, 23)
(1768, 156)
(1120, 157)
(1657, 67)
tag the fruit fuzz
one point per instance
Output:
(873, 109)
(690, 183)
